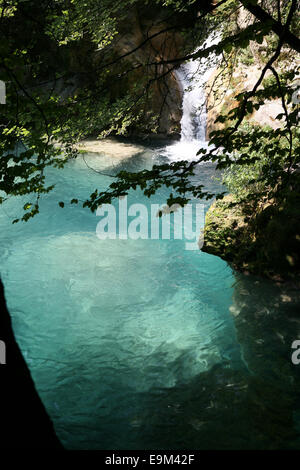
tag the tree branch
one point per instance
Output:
(277, 27)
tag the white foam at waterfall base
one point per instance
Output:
(192, 77)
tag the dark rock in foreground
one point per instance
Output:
(24, 420)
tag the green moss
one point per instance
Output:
(266, 243)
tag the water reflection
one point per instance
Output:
(255, 407)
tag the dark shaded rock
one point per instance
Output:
(24, 420)
(263, 240)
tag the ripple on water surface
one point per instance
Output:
(131, 343)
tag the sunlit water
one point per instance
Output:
(141, 344)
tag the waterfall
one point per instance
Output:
(192, 77)
(193, 122)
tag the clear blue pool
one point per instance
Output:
(141, 344)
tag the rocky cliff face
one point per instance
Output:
(165, 97)
(267, 245)
(263, 239)
(240, 75)
(243, 78)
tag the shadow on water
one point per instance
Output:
(252, 408)
(252, 404)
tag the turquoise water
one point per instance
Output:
(142, 344)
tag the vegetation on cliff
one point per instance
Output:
(257, 227)
(262, 240)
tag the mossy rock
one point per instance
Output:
(267, 243)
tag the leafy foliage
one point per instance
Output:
(66, 80)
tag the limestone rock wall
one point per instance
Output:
(241, 74)
(165, 96)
